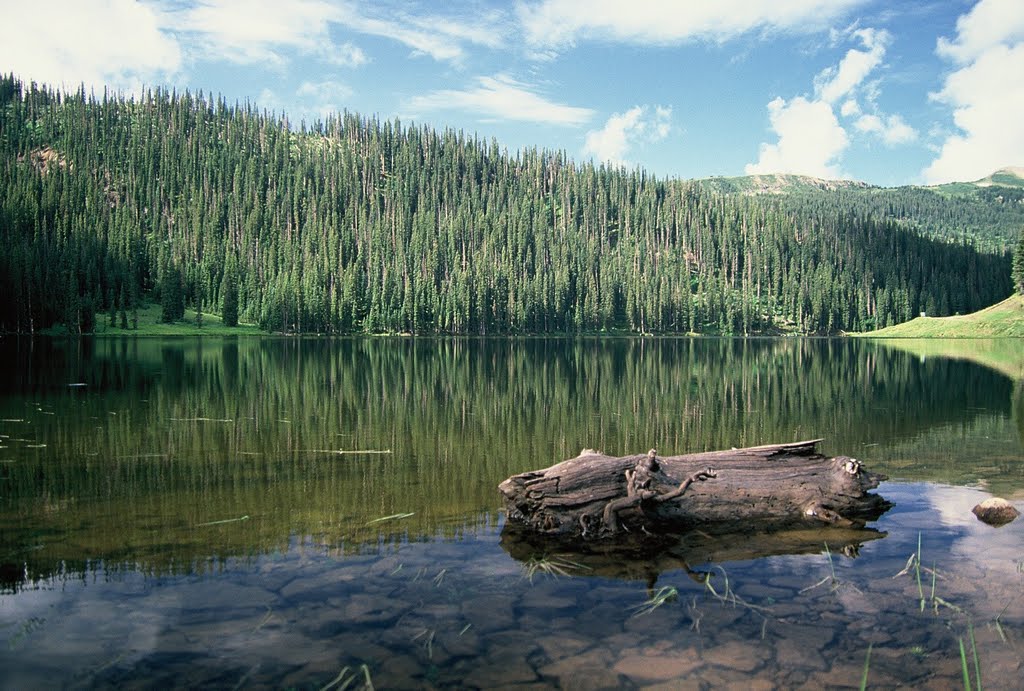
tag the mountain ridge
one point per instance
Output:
(781, 183)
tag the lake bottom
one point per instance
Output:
(461, 613)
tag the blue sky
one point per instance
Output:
(887, 92)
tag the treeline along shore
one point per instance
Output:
(354, 225)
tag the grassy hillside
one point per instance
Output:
(1011, 177)
(150, 325)
(1002, 320)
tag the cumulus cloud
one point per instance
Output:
(985, 93)
(891, 128)
(810, 140)
(836, 82)
(501, 97)
(611, 143)
(990, 23)
(560, 23)
(121, 43)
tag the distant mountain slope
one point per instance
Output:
(777, 183)
(987, 213)
(1006, 177)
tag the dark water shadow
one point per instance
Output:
(692, 552)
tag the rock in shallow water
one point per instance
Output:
(995, 511)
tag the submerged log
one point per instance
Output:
(595, 496)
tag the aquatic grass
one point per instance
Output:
(867, 667)
(344, 679)
(553, 566)
(832, 570)
(428, 642)
(266, 617)
(974, 653)
(915, 567)
(965, 667)
(832, 577)
(222, 522)
(998, 620)
(392, 517)
(664, 595)
(439, 578)
(729, 596)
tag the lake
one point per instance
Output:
(286, 512)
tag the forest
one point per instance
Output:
(356, 225)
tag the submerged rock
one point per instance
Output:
(995, 511)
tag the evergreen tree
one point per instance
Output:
(1018, 264)
(172, 296)
(229, 296)
(362, 226)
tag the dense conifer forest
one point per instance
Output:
(357, 225)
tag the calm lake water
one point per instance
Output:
(301, 512)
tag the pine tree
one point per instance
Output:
(172, 296)
(1017, 274)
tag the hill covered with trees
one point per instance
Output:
(988, 213)
(356, 225)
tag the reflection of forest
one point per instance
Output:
(169, 435)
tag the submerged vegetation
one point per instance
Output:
(354, 225)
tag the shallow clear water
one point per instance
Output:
(185, 518)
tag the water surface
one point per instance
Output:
(270, 512)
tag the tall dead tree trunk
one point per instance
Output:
(757, 488)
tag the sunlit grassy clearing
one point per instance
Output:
(1002, 320)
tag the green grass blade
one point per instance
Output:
(963, 666)
(867, 666)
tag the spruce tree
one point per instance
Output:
(1017, 274)
(229, 296)
(172, 296)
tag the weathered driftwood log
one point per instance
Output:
(763, 487)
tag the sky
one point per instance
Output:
(891, 93)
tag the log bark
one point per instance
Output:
(595, 496)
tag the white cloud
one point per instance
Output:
(810, 140)
(891, 128)
(623, 130)
(989, 24)
(834, 83)
(439, 37)
(986, 93)
(559, 23)
(345, 55)
(662, 122)
(253, 31)
(108, 42)
(324, 90)
(502, 98)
